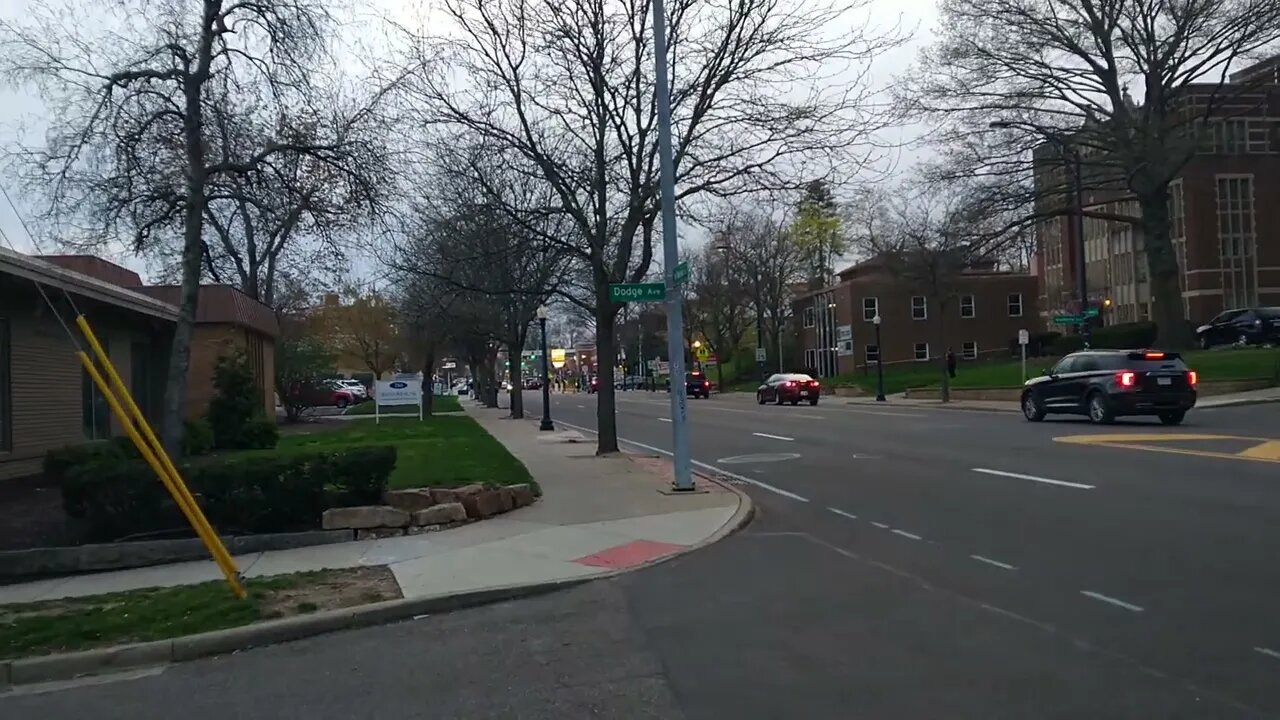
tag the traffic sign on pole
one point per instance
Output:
(682, 273)
(1069, 320)
(637, 292)
(702, 352)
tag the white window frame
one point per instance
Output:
(924, 307)
(872, 353)
(811, 359)
(965, 347)
(1009, 304)
(916, 351)
(875, 308)
(809, 320)
(972, 306)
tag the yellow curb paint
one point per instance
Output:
(1267, 451)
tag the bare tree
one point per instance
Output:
(770, 259)
(568, 87)
(129, 154)
(1055, 75)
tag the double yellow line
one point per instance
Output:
(139, 431)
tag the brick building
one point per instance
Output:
(981, 318)
(1226, 235)
(47, 400)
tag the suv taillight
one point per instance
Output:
(1126, 378)
(1192, 378)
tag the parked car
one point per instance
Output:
(323, 393)
(696, 384)
(1242, 326)
(1106, 384)
(356, 387)
(789, 387)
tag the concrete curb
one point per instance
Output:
(67, 666)
(1238, 403)
(953, 405)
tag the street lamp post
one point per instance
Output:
(546, 388)
(879, 361)
(1070, 154)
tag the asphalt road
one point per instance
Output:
(904, 563)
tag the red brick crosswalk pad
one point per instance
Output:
(629, 554)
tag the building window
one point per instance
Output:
(870, 308)
(919, 307)
(1230, 136)
(95, 414)
(811, 359)
(1259, 138)
(808, 317)
(1237, 241)
(922, 351)
(969, 350)
(6, 409)
(1015, 304)
(967, 307)
(873, 353)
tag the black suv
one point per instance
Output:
(697, 385)
(1242, 326)
(1106, 384)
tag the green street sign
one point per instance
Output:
(682, 273)
(1091, 313)
(1069, 319)
(637, 292)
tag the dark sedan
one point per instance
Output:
(1242, 326)
(789, 387)
(1106, 384)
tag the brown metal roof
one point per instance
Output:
(51, 275)
(222, 304)
(96, 267)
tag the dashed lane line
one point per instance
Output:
(774, 437)
(905, 534)
(1033, 478)
(842, 513)
(996, 563)
(1113, 601)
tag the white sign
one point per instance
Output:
(401, 390)
(844, 332)
(1024, 337)
(761, 356)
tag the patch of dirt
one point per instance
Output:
(333, 590)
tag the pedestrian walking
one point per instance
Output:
(951, 364)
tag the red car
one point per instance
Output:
(324, 394)
(789, 387)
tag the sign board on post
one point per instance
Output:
(400, 390)
(761, 355)
(1069, 319)
(682, 273)
(1024, 337)
(702, 352)
(844, 340)
(637, 292)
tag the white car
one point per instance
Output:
(355, 386)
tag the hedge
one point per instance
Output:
(1122, 336)
(117, 498)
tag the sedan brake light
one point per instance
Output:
(1126, 378)
(1192, 378)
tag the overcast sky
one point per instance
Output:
(24, 109)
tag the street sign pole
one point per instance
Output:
(1023, 338)
(683, 480)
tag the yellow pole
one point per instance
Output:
(173, 483)
(182, 495)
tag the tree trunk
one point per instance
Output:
(942, 344)
(477, 382)
(606, 359)
(1173, 332)
(517, 385)
(428, 389)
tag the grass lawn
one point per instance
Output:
(1242, 364)
(159, 613)
(439, 451)
(441, 403)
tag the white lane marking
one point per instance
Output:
(1033, 478)
(1113, 601)
(997, 563)
(664, 419)
(704, 466)
(809, 417)
(1268, 651)
(882, 526)
(775, 437)
(582, 406)
(842, 513)
(906, 534)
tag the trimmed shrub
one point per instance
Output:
(259, 434)
(197, 438)
(60, 464)
(237, 402)
(1123, 336)
(118, 497)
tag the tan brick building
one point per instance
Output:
(47, 400)
(981, 318)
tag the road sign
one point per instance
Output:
(1091, 313)
(682, 273)
(1069, 319)
(711, 361)
(1024, 337)
(702, 352)
(761, 355)
(637, 292)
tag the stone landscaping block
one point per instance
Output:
(440, 514)
(522, 494)
(379, 533)
(508, 499)
(365, 517)
(444, 495)
(409, 500)
(472, 489)
(486, 503)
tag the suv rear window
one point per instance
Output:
(1270, 313)
(1148, 361)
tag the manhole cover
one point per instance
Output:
(758, 458)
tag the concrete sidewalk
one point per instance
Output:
(1251, 397)
(596, 516)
